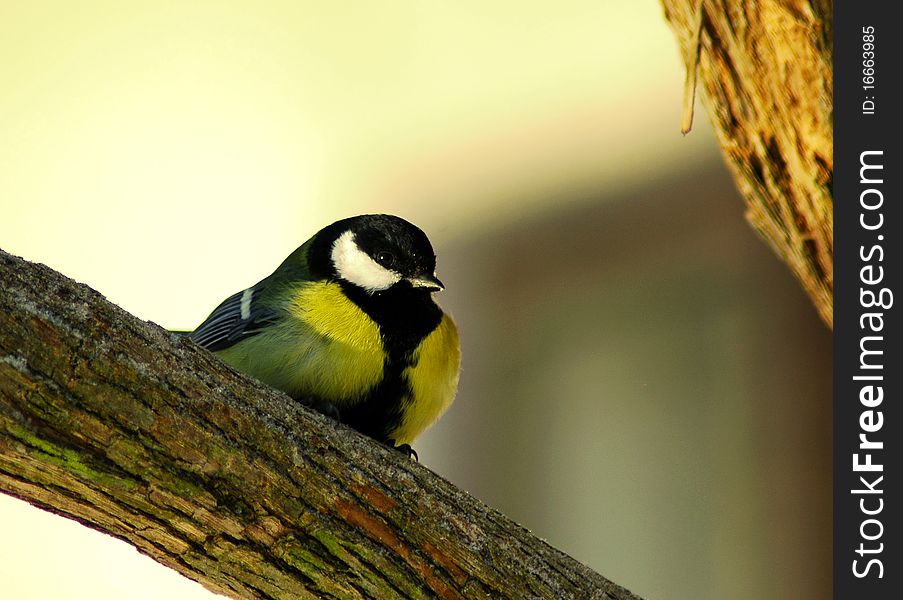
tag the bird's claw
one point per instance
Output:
(406, 450)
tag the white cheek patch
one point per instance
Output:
(354, 265)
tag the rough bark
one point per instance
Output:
(138, 433)
(766, 70)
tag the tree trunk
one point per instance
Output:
(143, 435)
(766, 68)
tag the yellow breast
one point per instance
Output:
(331, 349)
(433, 378)
(349, 356)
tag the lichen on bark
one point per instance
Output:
(767, 83)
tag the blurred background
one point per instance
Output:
(644, 384)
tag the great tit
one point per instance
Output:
(347, 324)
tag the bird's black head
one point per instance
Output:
(376, 253)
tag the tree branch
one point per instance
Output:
(768, 80)
(140, 434)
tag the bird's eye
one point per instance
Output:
(385, 258)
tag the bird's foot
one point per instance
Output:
(406, 450)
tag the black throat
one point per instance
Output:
(405, 316)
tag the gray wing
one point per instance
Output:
(238, 317)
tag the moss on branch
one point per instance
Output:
(138, 433)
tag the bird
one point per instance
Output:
(348, 325)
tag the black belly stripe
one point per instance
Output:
(405, 317)
(381, 411)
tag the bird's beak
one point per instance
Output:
(427, 281)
